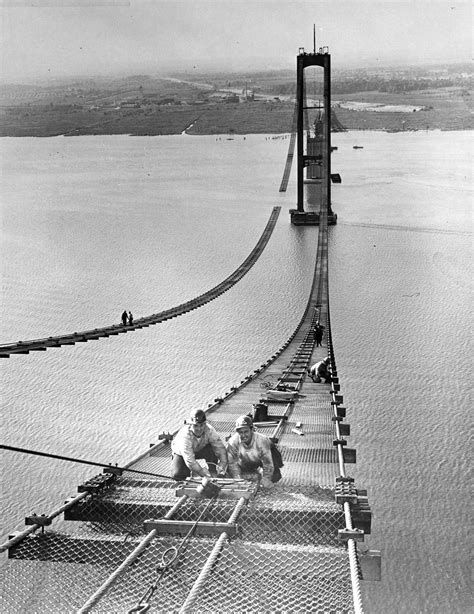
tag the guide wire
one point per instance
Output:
(78, 460)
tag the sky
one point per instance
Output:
(58, 38)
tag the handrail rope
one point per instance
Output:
(339, 447)
(84, 462)
(351, 543)
(31, 529)
(132, 557)
(209, 564)
(166, 564)
(354, 567)
(115, 329)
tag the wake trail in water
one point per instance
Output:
(443, 231)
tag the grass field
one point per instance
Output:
(444, 109)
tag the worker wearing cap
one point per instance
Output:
(197, 439)
(248, 450)
(318, 333)
(320, 371)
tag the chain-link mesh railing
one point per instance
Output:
(285, 555)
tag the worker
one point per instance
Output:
(197, 439)
(320, 371)
(318, 333)
(250, 452)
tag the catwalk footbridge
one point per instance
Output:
(133, 540)
(41, 345)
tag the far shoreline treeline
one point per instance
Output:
(219, 104)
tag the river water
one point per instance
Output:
(95, 225)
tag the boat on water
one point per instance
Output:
(357, 147)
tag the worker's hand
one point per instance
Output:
(221, 469)
(205, 473)
(266, 484)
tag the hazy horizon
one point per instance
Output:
(59, 39)
(211, 70)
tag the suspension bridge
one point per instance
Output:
(133, 540)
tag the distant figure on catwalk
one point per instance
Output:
(318, 333)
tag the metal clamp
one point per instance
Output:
(346, 492)
(355, 534)
(42, 521)
(113, 470)
(97, 483)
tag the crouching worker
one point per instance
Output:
(320, 371)
(197, 439)
(248, 451)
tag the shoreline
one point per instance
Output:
(452, 114)
(215, 134)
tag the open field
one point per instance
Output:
(445, 110)
(143, 105)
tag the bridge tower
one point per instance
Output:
(315, 150)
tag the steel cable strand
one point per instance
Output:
(353, 563)
(81, 461)
(351, 543)
(132, 557)
(209, 564)
(168, 560)
(17, 538)
(95, 598)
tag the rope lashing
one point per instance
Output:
(82, 461)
